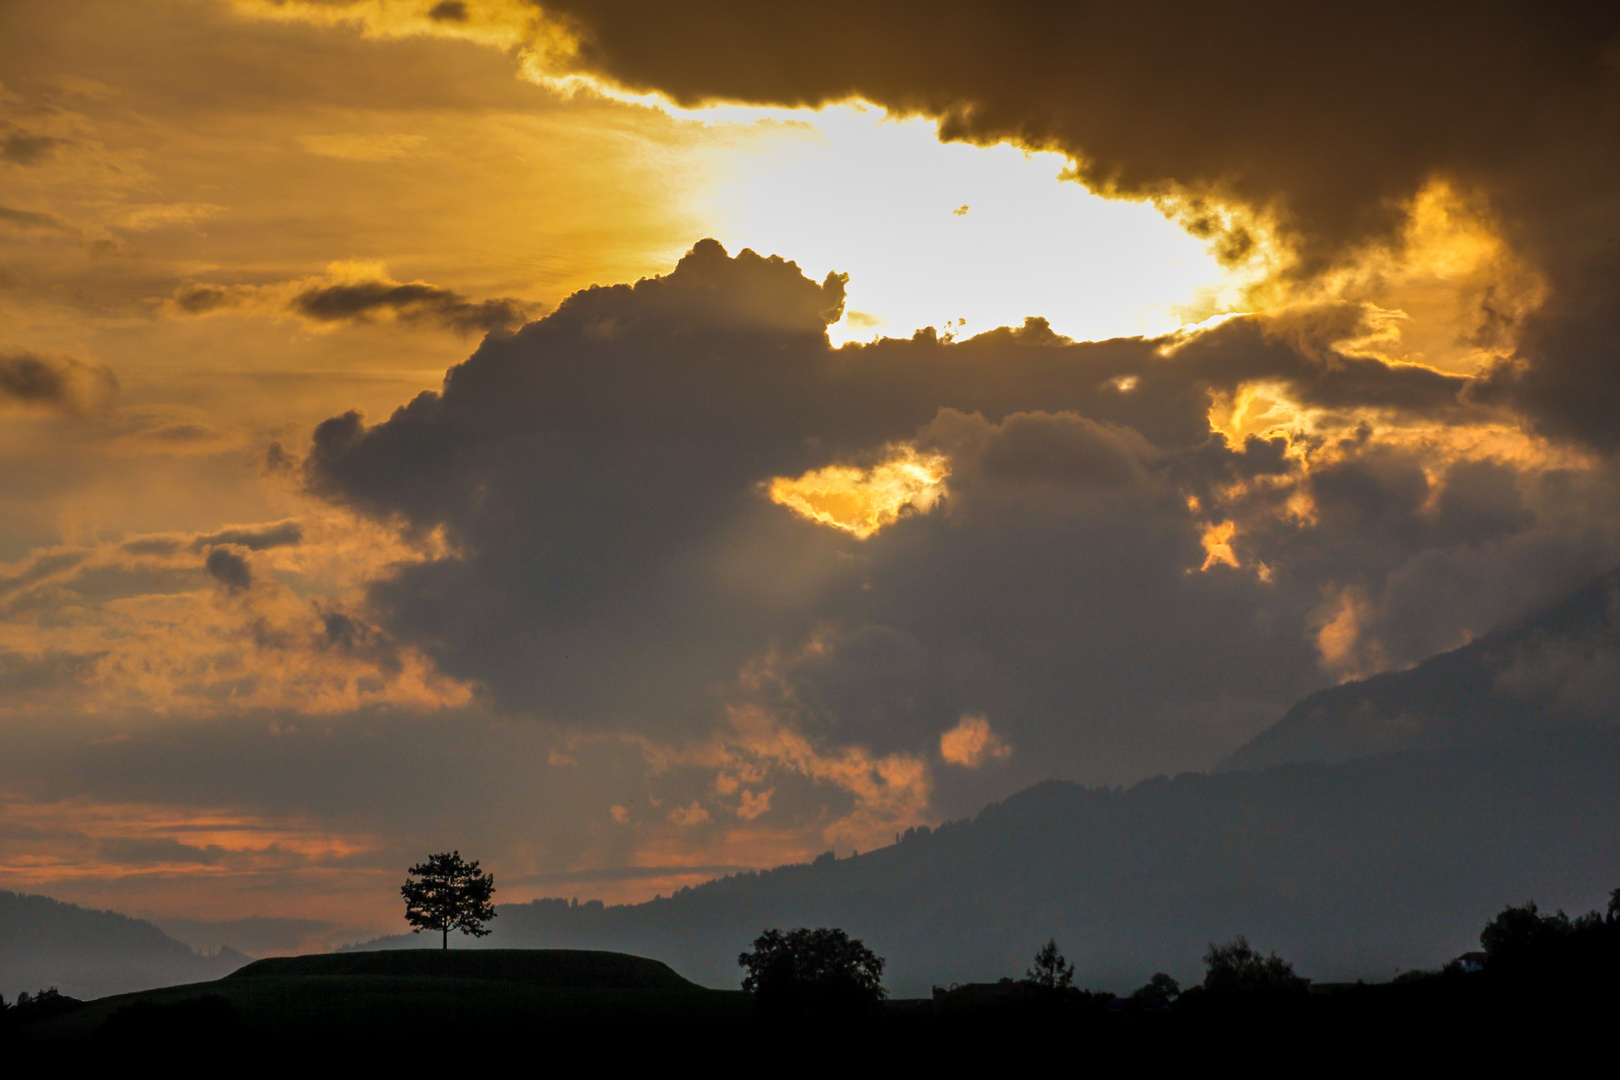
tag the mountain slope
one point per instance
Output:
(1352, 870)
(1556, 667)
(88, 954)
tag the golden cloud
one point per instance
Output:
(971, 744)
(862, 501)
(202, 624)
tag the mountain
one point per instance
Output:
(1557, 667)
(89, 954)
(1351, 870)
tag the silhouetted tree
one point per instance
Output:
(446, 894)
(1614, 907)
(1236, 966)
(1050, 971)
(1518, 934)
(1161, 986)
(821, 970)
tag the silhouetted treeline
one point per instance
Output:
(815, 996)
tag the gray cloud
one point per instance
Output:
(20, 673)
(600, 473)
(411, 303)
(35, 219)
(415, 302)
(255, 537)
(448, 11)
(134, 852)
(52, 382)
(229, 568)
(23, 148)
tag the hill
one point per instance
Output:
(1559, 666)
(1352, 870)
(87, 953)
(563, 969)
(392, 999)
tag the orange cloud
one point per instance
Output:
(266, 616)
(862, 501)
(165, 858)
(1217, 541)
(971, 744)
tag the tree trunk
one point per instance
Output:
(446, 944)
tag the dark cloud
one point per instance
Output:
(1327, 122)
(413, 303)
(23, 148)
(601, 475)
(416, 302)
(21, 673)
(229, 569)
(52, 382)
(454, 11)
(256, 537)
(203, 299)
(131, 851)
(35, 219)
(1330, 118)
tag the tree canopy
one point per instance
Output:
(1237, 966)
(1050, 971)
(446, 893)
(816, 970)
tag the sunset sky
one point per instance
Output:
(630, 443)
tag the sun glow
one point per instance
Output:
(862, 501)
(963, 238)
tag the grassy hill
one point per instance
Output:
(398, 996)
(562, 969)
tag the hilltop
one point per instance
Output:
(377, 999)
(563, 969)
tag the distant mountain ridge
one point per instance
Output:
(87, 953)
(1555, 667)
(1350, 870)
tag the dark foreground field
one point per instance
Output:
(628, 1010)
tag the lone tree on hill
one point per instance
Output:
(813, 970)
(446, 894)
(1050, 971)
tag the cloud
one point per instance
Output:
(971, 743)
(54, 383)
(1510, 110)
(127, 851)
(653, 501)
(356, 293)
(229, 569)
(36, 219)
(238, 620)
(362, 147)
(24, 148)
(415, 302)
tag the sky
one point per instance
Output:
(629, 443)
